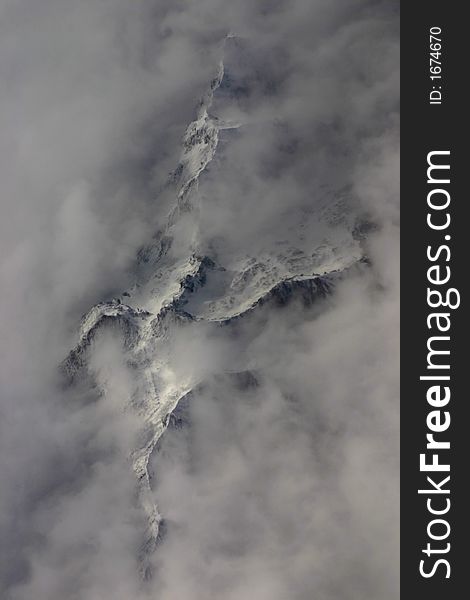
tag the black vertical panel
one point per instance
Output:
(427, 128)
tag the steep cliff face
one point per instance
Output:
(180, 284)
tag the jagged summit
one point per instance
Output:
(179, 283)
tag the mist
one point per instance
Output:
(281, 480)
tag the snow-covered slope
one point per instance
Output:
(179, 284)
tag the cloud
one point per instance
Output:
(289, 486)
(286, 488)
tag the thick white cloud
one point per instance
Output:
(286, 489)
